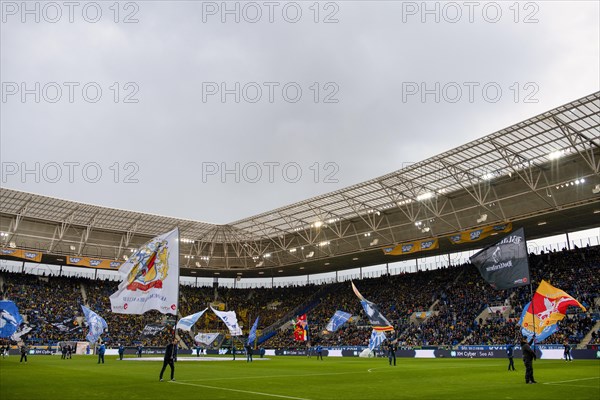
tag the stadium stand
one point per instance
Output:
(456, 296)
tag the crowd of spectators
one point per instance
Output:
(454, 298)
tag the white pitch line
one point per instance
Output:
(571, 380)
(270, 376)
(241, 391)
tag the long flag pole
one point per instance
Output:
(177, 309)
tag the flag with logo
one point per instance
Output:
(377, 337)
(504, 265)
(230, 320)
(252, 334)
(548, 306)
(338, 319)
(152, 329)
(96, 324)
(10, 319)
(150, 278)
(301, 328)
(186, 323)
(376, 318)
(205, 338)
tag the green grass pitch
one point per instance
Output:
(49, 377)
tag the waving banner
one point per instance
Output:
(230, 320)
(150, 278)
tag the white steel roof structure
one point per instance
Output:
(547, 166)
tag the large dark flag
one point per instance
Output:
(376, 318)
(504, 265)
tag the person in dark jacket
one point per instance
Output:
(528, 357)
(391, 350)
(509, 353)
(170, 354)
(24, 351)
(567, 353)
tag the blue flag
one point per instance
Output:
(377, 337)
(186, 323)
(96, 323)
(338, 319)
(252, 334)
(10, 319)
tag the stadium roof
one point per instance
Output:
(543, 169)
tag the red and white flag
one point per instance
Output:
(150, 278)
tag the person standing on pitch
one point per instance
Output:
(509, 353)
(528, 357)
(319, 352)
(101, 350)
(169, 359)
(24, 351)
(121, 351)
(391, 348)
(567, 353)
(248, 353)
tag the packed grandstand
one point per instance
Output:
(455, 295)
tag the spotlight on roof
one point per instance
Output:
(424, 196)
(555, 155)
(374, 242)
(596, 189)
(482, 218)
(309, 255)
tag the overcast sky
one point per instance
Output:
(331, 91)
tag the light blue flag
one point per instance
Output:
(252, 334)
(186, 323)
(377, 337)
(96, 323)
(338, 319)
(10, 319)
(528, 333)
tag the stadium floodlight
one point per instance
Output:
(309, 255)
(198, 264)
(293, 250)
(267, 255)
(482, 218)
(555, 155)
(317, 224)
(72, 248)
(374, 242)
(424, 196)
(260, 264)
(596, 189)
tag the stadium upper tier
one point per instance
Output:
(542, 173)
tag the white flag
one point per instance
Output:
(150, 278)
(230, 320)
(186, 323)
(96, 323)
(206, 338)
